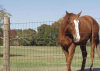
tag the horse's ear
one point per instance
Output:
(67, 13)
(79, 14)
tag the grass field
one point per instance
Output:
(43, 58)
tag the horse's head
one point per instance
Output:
(72, 21)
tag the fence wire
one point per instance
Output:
(35, 47)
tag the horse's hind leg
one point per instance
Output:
(92, 54)
(84, 55)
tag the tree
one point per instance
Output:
(13, 34)
(3, 13)
(26, 37)
(1, 37)
(41, 36)
(47, 35)
(57, 23)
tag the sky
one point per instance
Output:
(48, 10)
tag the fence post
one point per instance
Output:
(6, 44)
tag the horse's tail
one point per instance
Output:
(97, 41)
(94, 26)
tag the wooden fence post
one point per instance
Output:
(6, 44)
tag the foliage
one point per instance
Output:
(1, 35)
(3, 13)
(58, 22)
(26, 37)
(47, 35)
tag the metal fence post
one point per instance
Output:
(6, 44)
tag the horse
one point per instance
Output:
(77, 30)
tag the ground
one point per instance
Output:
(44, 58)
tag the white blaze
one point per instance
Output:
(76, 22)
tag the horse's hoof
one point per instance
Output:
(91, 69)
(82, 70)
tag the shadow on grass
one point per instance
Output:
(88, 69)
(12, 55)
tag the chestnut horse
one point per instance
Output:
(76, 30)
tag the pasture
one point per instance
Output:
(44, 58)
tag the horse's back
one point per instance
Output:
(89, 21)
(88, 27)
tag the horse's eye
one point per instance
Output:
(68, 18)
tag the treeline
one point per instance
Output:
(46, 35)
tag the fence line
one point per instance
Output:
(6, 41)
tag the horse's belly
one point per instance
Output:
(84, 38)
(85, 32)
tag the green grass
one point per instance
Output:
(37, 57)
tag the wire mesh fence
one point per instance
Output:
(34, 46)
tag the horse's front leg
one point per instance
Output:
(84, 55)
(65, 50)
(71, 54)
